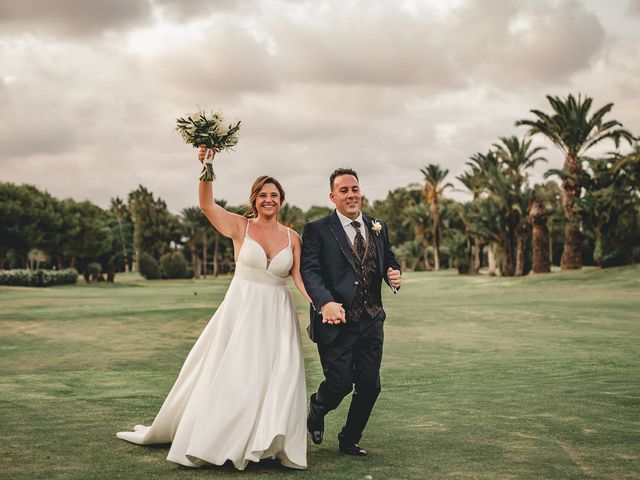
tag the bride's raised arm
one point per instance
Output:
(228, 224)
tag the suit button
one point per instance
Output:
(355, 283)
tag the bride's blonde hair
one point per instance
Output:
(257, 187)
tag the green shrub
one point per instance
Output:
(173, 265)
(38, 278)
(149, 266)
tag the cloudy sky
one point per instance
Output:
(90, 89)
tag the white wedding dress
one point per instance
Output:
(241, 393)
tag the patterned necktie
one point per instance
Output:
(359, 241)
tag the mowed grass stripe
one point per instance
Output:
(535, 377)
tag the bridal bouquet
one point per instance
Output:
(210, 130)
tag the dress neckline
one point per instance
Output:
(264, 252)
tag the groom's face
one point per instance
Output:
(346, 195)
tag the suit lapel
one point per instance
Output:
(341, 237)
(376, 240)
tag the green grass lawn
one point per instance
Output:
(535, 377)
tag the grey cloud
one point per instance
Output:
(516, 43)
(71, 17)
(31, 125)
(226, 62)
(633, 8)
(378, 46)
(180, 10)
(316, 87)
(302, 112)
(53, 105)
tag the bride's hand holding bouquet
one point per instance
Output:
(210, 134)
(205, 155)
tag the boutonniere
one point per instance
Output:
(376, 226)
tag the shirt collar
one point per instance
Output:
(347, 221)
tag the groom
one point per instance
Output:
(345, 257)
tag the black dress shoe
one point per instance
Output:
(315, 426)
(353, 449)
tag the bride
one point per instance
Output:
(240, 394)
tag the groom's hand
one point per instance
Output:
(395, 277)
(333, 313)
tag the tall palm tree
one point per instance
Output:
(487, 224)
(501, 194)
(630, 164)
(473, 182)
(434, 187)
(574, 131)
(540, 245)
(292, 217)
(118, 209)
(419, 217)
(517, 157)
(190, 219)
(216, 240)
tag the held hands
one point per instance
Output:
(394, 277)
(333, 313)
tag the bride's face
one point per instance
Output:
(268, 201)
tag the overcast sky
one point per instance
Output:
(90, 89)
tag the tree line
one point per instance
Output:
(38, 230)
(588, 212)
(592, 216)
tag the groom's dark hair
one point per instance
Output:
(341, 171)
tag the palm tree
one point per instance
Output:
(292, 217)
(216, 240)
(202, 234)
(419, 217)
(630, 165)
(540, 245)
(574, 132)
(500, 191)
(118, 209)
(191, 223)
(433, 190)
(486, 223)
(609, 209)
(518, 156)
(473, 182)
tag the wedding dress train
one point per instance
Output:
(241, 393)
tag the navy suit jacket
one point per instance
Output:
(328, 267)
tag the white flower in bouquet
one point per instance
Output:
(210, 130)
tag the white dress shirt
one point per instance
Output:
(350, 230)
